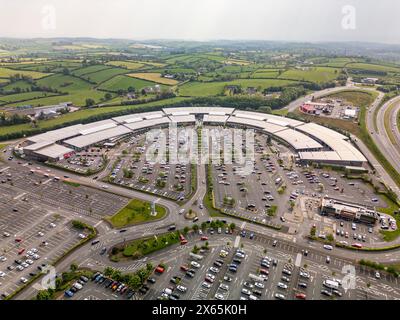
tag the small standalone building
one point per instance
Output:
(348, 211)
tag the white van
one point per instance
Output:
(78, 286)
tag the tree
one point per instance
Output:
(117, 275)
(108, 96)
(186, 230)
(232, 226)
(149, 266)
(195, 227)
(89, 102)
(44, 295)
(108, 271)
(73, 267)
(135, 282)
(203, 225)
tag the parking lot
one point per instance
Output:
(39, 185)
(134, 170)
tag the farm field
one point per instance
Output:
(6, 73)
(103, 75)
(313, 74)
(154, 77)
(23, 85)
(25, 96)
(91, 69)
(126, 64)
(202, 89)
(124, 82)
(373, 67)
(82, 115)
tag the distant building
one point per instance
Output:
(251, 90)
(369, 80)
(350, 113)
(348, 211)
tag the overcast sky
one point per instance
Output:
(291, 20)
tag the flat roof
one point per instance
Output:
(147, 123)
(38, 145)
(126, 119)
(298, 140)
(335, 140)
(183, 118)
(54, 151)
(97, 128)
(89, 139)
(199, 110)
(56, 135)
(215, 118)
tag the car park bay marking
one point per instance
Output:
(237, 241)
(298, 260)
(4, 169)
(20, 195)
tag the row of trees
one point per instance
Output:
(134, 280)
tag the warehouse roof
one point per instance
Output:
(215, 118)
(183, 118)
(54, 151)
(199, 110)
(298, 140)
(92, 138)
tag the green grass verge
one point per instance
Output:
(136, 211)
(144, 246)
(73, 184)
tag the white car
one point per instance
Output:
(259, 285)
(282, 285)
(377, 275)
(206, 285)
(195, 264)
(181, 288)
(3, 259)
(245, 291)
(40, 234)
(34, 250)
(328, 247)
(214, 269)
(224, 287)
(304, 274)
(29, 261)
(36, 257)
(82, 236)
(24, 280)
(24, 264)
(2, 274)
(6, 234)
(53, 225)
(219, 296)
(29, 253)
(104, 186)
(19, 268)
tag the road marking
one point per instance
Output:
(298, 260)
(237, 241)
(19, 196)
(98, 223)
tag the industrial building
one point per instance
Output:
(348, 211)
(312, 142)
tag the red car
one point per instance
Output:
(264, 271)
(357, 245)
(184, 268)
(159, 269)
(182, 239)
(204, 238)
(301, 296)
(21, 251)
(18, 240)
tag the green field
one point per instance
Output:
(124, 82)
(23, 85)
(25, 96)
(91, 69)
(82, 115)
(136, 211)
(203, 89)
(104, 75)
(6, 73)
(373, 67)
(313, 74)
(126, 64)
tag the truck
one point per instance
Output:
(331, 284)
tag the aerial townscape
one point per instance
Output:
(198, 169)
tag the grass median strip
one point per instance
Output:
(136, 211)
